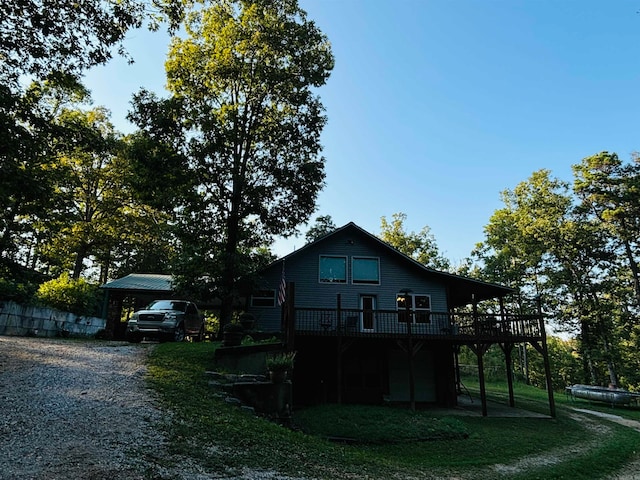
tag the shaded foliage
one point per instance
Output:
(420, 246)
(322, 226)
(578, 249)
(244, 120)
(70, 295)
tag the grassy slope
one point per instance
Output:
(224, 439)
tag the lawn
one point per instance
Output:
(379, 442)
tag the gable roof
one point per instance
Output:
(147, 282)
(461, 290)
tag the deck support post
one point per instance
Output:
(290, 316)
(412, 379)
(480, 349)
(547, 372)
(410, 353)
(339, 350)
(456, 361)
(542, 349)
(507, 348)
(483, 390)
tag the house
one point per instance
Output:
(370, 324)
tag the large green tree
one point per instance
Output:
(245, 77)
(610, 191)
(28, 173)
(541, 243)
(91, 190)
(98, 215)
(515, 249)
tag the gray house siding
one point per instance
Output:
(302, 268)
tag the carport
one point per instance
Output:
(131, 293)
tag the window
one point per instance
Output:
(419, 306)
(422, 306)
(333, 269)
(401, 305)
(263, 298)
(365, 270)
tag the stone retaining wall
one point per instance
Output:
(24, 320)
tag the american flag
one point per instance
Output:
(282, 291)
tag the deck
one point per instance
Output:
(460, 328)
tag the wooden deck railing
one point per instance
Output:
(463, 327)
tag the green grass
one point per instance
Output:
(365, 425)
(224, 439)
(537, 400)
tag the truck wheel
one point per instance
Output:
(178, 333)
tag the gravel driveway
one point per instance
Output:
(76, 410)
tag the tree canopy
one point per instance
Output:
(45, 47)
(577, 248)
(248, 121)
(420, 246)
(41, 39)
(321, 227)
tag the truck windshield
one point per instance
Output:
(168, 305)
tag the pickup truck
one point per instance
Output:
(172, 320)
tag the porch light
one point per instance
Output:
(405, 293)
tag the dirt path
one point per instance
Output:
(630, 471)
(589, 419)
(611, 417)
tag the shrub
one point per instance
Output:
(16, 292)
(71, 295)
(211, 322)
(281, 361)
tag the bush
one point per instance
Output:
(279, 362)
(17, 292)
(70, 295)
(211, 322)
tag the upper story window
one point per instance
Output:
(263, 298)
(422, 306)
(333, 269)
(365, 270)
(419, 306)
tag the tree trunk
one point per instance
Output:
(78, 266)
(613, 377)
(104, 268)
(230, 256)
(635, 271)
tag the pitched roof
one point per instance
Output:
(152, 282)
(461, 290)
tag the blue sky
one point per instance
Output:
(435, 107)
